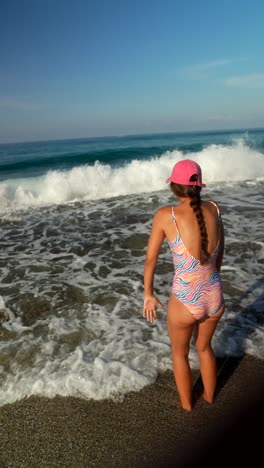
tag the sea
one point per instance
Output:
(75, 217)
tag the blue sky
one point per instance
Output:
(93, 68)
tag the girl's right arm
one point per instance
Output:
(154, 244)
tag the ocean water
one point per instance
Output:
(75, 217)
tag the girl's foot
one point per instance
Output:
(186, 406)
(208, 400)
(187, 409)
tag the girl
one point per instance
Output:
(195, 234)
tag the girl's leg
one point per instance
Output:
(180, 328)
(208, 368)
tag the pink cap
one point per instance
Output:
(183, 171)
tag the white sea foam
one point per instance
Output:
(117, 359)
(221, 164)
(107, 366)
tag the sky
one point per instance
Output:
(84, 68)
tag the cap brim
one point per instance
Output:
(169, 180)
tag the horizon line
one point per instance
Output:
(131, 135)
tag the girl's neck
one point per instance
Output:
(184, 200)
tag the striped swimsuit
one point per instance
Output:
(198, 287)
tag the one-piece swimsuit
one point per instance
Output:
(197, 286)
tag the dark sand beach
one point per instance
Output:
(147, 428)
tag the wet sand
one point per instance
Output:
(146, 429)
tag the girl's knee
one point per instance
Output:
(203, 347)
(180, 355)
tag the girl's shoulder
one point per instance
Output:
(164, 210)
(211, 204)
(163, 213)
(213, 208)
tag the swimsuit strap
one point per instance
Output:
(173, 216)
(174, 219)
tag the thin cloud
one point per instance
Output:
(201, 70)
(220, 117)
(17, 104)
(255, 80)
(200, 67)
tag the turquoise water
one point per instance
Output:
(36, 158)
(45, 173)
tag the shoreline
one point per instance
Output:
(147, 429)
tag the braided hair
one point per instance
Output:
(193, 192)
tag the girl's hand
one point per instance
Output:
(149, 308)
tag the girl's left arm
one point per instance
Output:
(222, 247)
